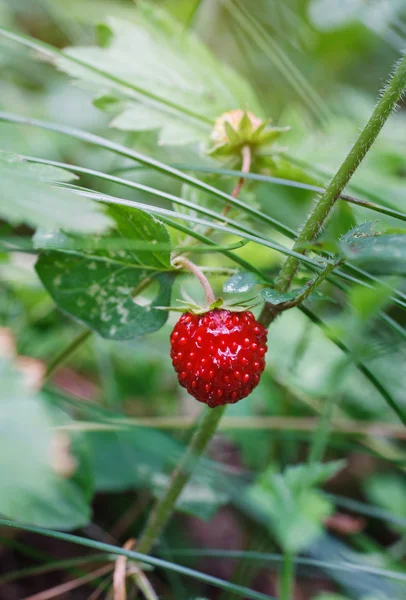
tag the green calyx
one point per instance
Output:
(218, 303)
(237, 128)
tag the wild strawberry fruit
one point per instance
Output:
(219, 355)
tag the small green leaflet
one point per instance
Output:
(360, 231)
(274, 297)
(34, 486)
(295, 507)
(241, 282)
(108, 289)
(26, 196)
(307, 475)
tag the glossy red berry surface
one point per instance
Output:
(219, 356)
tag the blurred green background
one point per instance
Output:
(317, 66)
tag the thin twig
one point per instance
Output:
(263, 423)
(58, 590)
(120, 573)
(141, 580)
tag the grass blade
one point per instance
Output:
(146, 160)
(278, 558)
(150, 560)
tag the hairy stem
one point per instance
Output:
(164, 508)
(320, 211)
(182, 261)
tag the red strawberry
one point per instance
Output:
(219, 356)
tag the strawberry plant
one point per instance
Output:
(176, 231)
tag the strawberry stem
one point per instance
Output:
(245, 168)
(163, 509)
(182, 261)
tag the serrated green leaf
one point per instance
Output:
(241, 282)
(190, 87)
(295, 520)
(296, 509)
(99, 287)
(34, 490)
(309, 475)
(379, 253)
(360, 231)
(26, 196)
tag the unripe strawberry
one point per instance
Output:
(219, 355)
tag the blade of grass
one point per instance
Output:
(283, 182)
(137, 186)
(241, 232)
(310, 562)
(98, 196)
(146, 160)
(178, 200)
(66, 587)
(58, 565)
(286, 230)
(137, 556)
